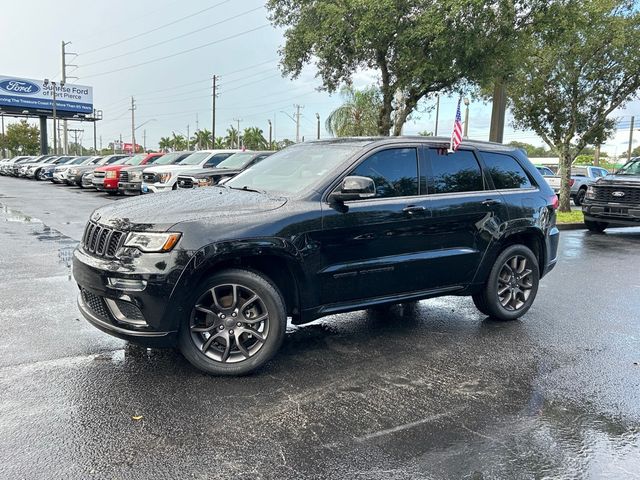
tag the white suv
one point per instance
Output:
(164, 177)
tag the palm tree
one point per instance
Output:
(165, 143)
(358, 115)
(253, 139)
(231, 140)
(219, 143)
(201, 139)
(178, 142)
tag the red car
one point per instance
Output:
(108, 176)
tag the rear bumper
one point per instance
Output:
(552, 241)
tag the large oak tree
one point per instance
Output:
(417, 47)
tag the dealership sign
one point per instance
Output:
(23, 93)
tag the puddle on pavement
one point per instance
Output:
(42, 232)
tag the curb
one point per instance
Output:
(571, 226)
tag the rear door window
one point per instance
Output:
(505, 171)
(394, 171)
(454, 172)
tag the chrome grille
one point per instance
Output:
(185, 182)
(604, 193)
(149, 177)
(101, 240)
(97, 174)
(124, 176)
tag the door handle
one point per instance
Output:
(489, 202)
(411, 209)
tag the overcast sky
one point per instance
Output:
(120, 45)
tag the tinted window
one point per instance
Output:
(454, 172)
(394, 171)
(216, 159)
(505, 171)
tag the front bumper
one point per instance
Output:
(129, 187)
(149, 315)
(156, 187)
(612, 213)
(98, 183)
(110, 184)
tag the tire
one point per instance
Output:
(516, 270)
(223, 354)
(39, 175)
(478, 301)
(109, 192)
(596, 227)
(578, 200)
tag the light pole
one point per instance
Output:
(435, 133)
(466, 118)
(270, 133)
(318, 119)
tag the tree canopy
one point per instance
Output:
(583, 62)
(416, 47)
(21, 138)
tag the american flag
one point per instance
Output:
(456, 135)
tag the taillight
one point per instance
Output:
(571, 182)
(555, 202)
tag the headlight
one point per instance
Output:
(152, 242)
(73, 171)
(111, 174)
(135, 176)
(205, 182)
(165, 177)
(591, 193)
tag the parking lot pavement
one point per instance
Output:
(431, 390)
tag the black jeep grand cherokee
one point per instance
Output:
(316, 229)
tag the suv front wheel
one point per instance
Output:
(512, 284)
(236, 323)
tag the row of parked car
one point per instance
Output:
(132, 175)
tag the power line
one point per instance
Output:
(178, 53)
(172, 39)
(155, 29)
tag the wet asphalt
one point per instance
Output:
(431, 390)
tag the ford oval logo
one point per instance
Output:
(20, 87)
(617, 194)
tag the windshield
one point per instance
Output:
(294, 169)
(168, 159)
(78, 161)
(136, 159)
(195, 158)
(631, 168)
(237, 160)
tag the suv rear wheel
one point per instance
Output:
(237, 323)
(512, 284)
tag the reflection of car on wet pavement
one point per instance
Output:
(316, 229)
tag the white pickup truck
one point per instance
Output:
(581, 178)
(163, 177)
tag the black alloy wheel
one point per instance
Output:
(579, 198)
(237, 322)
(512, 284)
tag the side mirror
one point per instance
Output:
(354, 188)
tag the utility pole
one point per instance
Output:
(95, 150)
(466, 118)
(133, 127)
(298, 107)
(270, 133)
(238, 120)
(62, 83)
(75, 131)
(188, 142)
(318, 119)
(197, 130)
(144, 140)
(214, 94)
(435, 133)
(120, 144)
(630, 139)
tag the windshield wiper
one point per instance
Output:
(247, 189)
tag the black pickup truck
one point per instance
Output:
(614, 200)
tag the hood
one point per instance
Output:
(211, 171)
(107, 168)
(159, 212)
(615, 180)
(169, 168)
